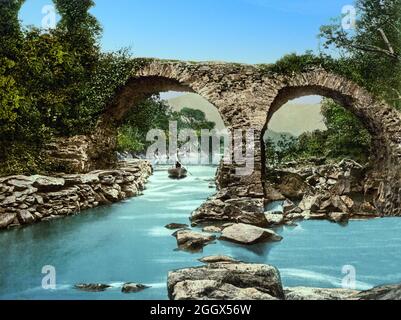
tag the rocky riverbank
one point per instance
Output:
(223, 278)
(29, 199)
(336, 192)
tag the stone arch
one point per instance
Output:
(152, 77)
(382, 121)
(246, 97)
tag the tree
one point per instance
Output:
(10, 31)
(374, 47)
(194, 119)
(346, 136)
(80, 29)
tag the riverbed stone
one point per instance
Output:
(188, 240)
(228, 281)
(218, 259)
(274, 219)
(306, 293)
(92, 287)
(131, 287)
(174, 226)
(243, 210)
(6, 218)
(387, 292)
(248, 234)
(211, 229)
(338, 216)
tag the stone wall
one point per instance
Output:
(30, 199)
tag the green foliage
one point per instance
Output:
(45, 81)
(194, 119)
(345, 137)
(154, 113)
(10, 32)
(373, 48)
(80, 30)
(130, 139)
(293, 63)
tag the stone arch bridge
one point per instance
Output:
(246, 96)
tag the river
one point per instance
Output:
(127, 242)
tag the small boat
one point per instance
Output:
(177, 173)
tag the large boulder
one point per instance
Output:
(241, 210)
(248, 234)
(216, 290)
(225, 281)
(192, 241)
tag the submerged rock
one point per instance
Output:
(92, 287)
(248, 235)
(226, 281)
(174, 226)
(133, 287)
(192, 241)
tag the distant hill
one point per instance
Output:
(290, 119)
(195, 101)
(297, 119)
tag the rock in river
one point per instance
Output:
(92, 287)
(175, 226)
(306, 293)
(6, 218)
(390, 292)
(211, 229)
(274, 219)
(218, 259)
(248, 235)
(226, 281)
(133, 287)
(192, 241)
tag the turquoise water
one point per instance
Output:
(127, 242)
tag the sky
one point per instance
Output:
(245, 31)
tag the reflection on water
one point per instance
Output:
(127, 242)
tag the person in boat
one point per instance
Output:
(178, 165)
